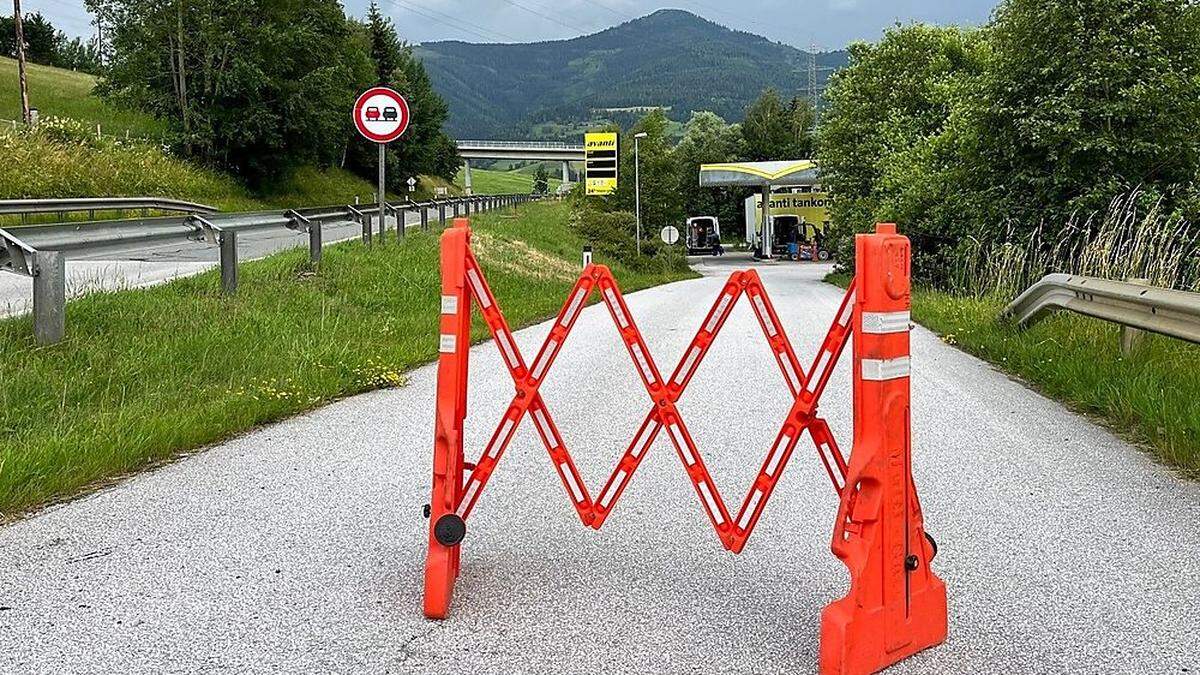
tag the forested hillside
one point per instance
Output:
(671, 58)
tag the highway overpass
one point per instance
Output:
(532, 151)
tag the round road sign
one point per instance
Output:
(670, 235)
(381, 115)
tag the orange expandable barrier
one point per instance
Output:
(896, 606)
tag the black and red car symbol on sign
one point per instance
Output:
(390, 114)
(372, 114)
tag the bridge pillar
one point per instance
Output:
(467, 179)
(566, 178)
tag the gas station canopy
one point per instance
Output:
(792, 173)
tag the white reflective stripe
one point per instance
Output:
(848, 312)
(477, 285)
(616, 307)
(750, 507)
(643, 365)
(575, 491)
(760, 308)
(818, 371)
(889, 369)
(712, 504)
(573, 309)
(544, 359)
(777, 454)
(880, 323)
(790, 373)
(449, 304)
(506, 349)
(501, 438)
(831, 456)
(643, 441)
(447, 344)
(466, 500)
(677, 436)
(716, 316)
(608, 495)
(687, 365)
(539, 418)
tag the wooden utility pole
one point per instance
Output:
(18, 21)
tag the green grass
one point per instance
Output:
(1148, 397)
(145, 375)
(487, 182)
(65, 93)
(37, 166)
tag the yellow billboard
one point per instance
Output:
(600, 166)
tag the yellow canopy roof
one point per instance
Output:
(758, 174)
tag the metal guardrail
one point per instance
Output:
(26, 207)
(41, 251)
(1137, 306)
(522, 145)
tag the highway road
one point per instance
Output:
(146, 266)
(299, 547)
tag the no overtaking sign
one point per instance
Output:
(381, 115)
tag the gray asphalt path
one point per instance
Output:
(299, 547)
(147, 266)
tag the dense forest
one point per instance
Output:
(1060, 136)
(670, 59)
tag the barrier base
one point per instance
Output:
(855, 639)
(441, 571)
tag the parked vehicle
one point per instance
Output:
(704, 236)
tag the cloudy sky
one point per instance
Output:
(828, 24)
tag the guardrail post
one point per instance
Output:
(442, 215)
(229, 262)
(401, 223)
(424, 217)
(383, 223)
(49, 297)
(1132, 337)
(314, 242)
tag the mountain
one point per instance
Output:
(671, 59)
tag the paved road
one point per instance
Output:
(143, 266)
(299, 547)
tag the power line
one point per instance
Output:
(455, 23)
(547, 17)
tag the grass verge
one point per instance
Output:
(56, 92)
(1149, 396)
(488, 182)
(147, 374)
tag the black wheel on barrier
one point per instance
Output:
(450, 530)
(932, 543)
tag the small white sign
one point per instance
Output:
(670, 235)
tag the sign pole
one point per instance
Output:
(381, 115)
(382, 194)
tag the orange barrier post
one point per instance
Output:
(446, 529)
(896, 605)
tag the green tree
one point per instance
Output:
(662, 204)
(541, 181)
(1086, 100)
(767, 131)
(42, 41)
(890, 140)
(424, 148)
(707, 139)
(258, 86)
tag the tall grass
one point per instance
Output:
(1125, 241)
